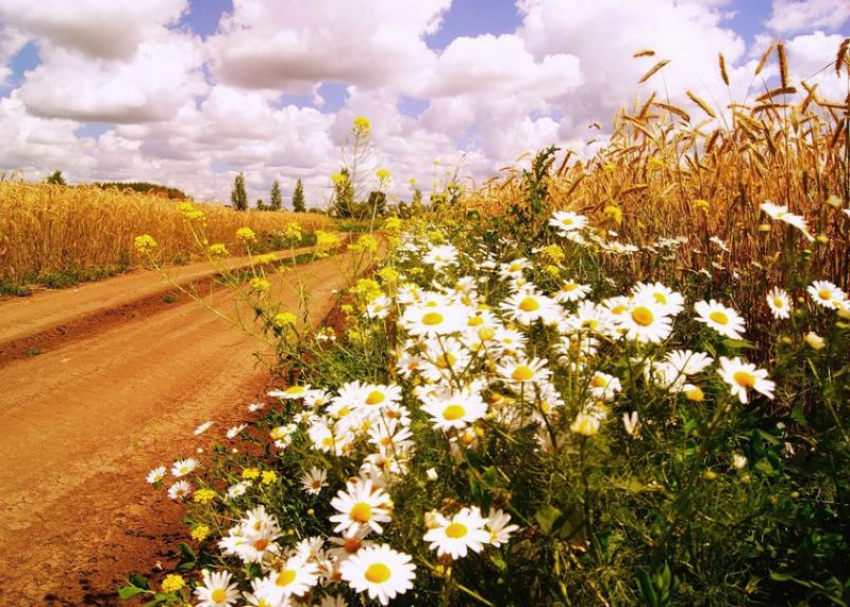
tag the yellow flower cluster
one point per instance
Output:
(392, 224)
(367, 288)
(218, 250)
(203, 496)
(259, 284)
(172, 583)
(362, 126)
(261, 260)
(366, 243)
(200, 533)
(250, 473)
(269, 477)
(555, 253)
(325, 241)
(293, 231)
(246, 235)
(382, 175)
(188, 211)
(144, 243)
(284, 319)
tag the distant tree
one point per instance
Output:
(275, 198)
(299, 205)
(377, 205)
(261, 206)
(55, 178)
(151, 189)
(238, 196)
(343, 205)
(416, 203)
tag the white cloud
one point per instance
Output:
(163, 74)
(110, 29)
(291, 45)
(791, 16)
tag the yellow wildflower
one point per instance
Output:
(392, 224)
(172, 583)
(326, 241)
(269, 477)
(366, 243)
(284, 318)
(218, 250)
(293, 231)
(246, 235)
(200, 533)
(203, 496)
(250, 473)
(362, 125)
(260, 284)
(144, 243)
(382, 175)
(554, 252)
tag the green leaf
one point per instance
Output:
(546, 517)
(738, 344)
(128, 592)
(768, 437)
(647, 588)
(139, 581)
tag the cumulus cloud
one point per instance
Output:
(192, 113)
(792, 16)
(291, 45)
(112, 29)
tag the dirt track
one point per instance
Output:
(83, 421)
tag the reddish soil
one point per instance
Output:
(124, 376)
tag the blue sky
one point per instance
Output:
(156, 90)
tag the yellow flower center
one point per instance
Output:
(618, 309)
(570, 286)
(295, 390)
(456, 530)
(361, 513)
(719, 317)
(218, 595)
(486, 333)
(375, 398)
(445, 361)
(328, 441)
(643, 316)
(825, 294)
(344, 411)
(453, 412)
(522, 373)
(599, 382)
(515, 267)
(432, 318)
(285, 577)
(378, 573)
(475, 321)
(744, 379)
(778, 303)
(529, 304)
(261, 543)
(567, 221)
(352, 545)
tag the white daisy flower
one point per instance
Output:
(522, 371)
(687, 362)
(527, 306)
(670, 301)
(235, 430)
(216, 590)
(743, 376)
(454, 409)
(180, 490)
(779, 303)
(182, 467)
(455, 536)
(156, 475)
(572, 291)
(295, 578)
(631, 422)
(433, 320)
(441, 256)
(567, 221)
(203, 428)
(379, 571)
(645, 321)
(603, 386)
(725, 321)
(499, 528)
(361, 506)
(314, 481)
(826, 294)
(349, 544)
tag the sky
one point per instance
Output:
(188, 93)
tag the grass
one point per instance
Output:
(56, 236)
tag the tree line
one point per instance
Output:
(239, 197)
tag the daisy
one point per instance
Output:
(183, 467)
(567, 221)
(180, 490)
(314, 481)
(523, 371)
(585, 425)
(295, 578)
(433, 320)
(725, 321)
(216, 590)
(235, 430)
(743, 376)
(603, 386)
(826, 294)
(780, 213)
(291, 393)
(156, 475)
(237, 490)
(572, 291)
(203, 428)
(379, 571)
(455, 409)
(670, 301)
(631, 422)
(514, 269)
(779, 303)
(645, 321)
(349, 544)
(361, 506)
(455, 536)
(500, 530)
(254, 407)
(687, 362)
(378, 308)
(527, 306)
(441, 256)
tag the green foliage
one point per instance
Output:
(343, 205)
(55, 178)
(299, 204)
(238, 196)
(275, 197)
(143, 187)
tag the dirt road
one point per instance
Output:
(85, 419)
